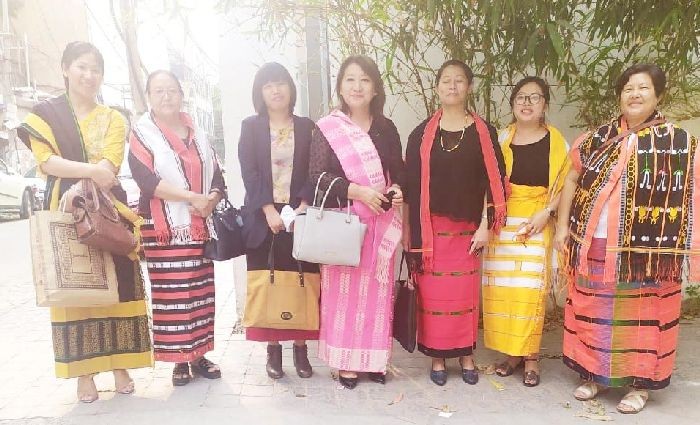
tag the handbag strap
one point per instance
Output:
(629, 131)
(410, 279)
(403, 260)
(271, 264)
(318, 183)
(325, 197)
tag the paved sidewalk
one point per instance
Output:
(245, 395)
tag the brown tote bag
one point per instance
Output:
(68, 273)
(282, 299)
(96, 219)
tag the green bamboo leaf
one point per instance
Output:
(557, 42)
(532, 44)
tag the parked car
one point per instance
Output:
(39, 186)
(17, 194)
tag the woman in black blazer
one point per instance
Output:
(274, 156)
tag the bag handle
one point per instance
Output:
(403, 260)
(410, 280)
(271, 264)
(348, 218)
(318, 183)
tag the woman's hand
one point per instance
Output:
(372, 199)
(103, 178)
(560, 238)
(301, 209)
(480, 239)
(538, 222)
(212, 201)
(397, 200)
(274, 221)
(198, 204)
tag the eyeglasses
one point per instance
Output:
(163, 92)
(532, 99)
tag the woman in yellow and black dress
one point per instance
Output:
(72, 137)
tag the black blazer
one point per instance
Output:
(254, 155)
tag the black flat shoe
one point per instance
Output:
(378, 377)
(439, 377)
(470, 376)
(349, 383)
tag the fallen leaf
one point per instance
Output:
(396, 399)
(497, 385)
(603, 418)
(487, 369)
(444, 408)
(595, 407)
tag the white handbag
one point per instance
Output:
(327, 236)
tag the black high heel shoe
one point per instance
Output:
(349, 383)
(439, 377)
(378, 377)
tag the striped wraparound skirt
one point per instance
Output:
(620, 334)
(448, 298)
(515, 279)
(182, 293)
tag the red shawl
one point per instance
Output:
(496, 185)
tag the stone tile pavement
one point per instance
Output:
(30, 394)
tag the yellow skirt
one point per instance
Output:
(514, 279)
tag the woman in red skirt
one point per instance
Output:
(456, 197)
(181, 183)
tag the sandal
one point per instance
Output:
(588, 390)
(181, 374)
(128, 388)
(633, 402)
(531, 378)
(506, 369)
(202, 367)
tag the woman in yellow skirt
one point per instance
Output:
(73, 137)
(518, 263)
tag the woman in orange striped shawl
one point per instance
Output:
(628, 213)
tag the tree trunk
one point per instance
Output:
(128, 18)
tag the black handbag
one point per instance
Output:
(404, 326)
(228, 225)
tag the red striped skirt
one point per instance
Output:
(182, 296)
(620, 334)
(448, 298)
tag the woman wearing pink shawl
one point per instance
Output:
(362, 147)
